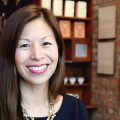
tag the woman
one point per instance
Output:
(32, 69)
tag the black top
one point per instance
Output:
(71, 109)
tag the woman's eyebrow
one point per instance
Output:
(42, 38)
(24, 39)
(45, 37)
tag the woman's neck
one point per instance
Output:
(34, 95)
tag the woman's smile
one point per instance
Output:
(38, 69)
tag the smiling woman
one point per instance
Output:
(32, 67)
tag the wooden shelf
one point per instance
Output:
(70, 61)
(91, 106)
(76, 85)
(73, 18)
(78, 61)
(73, 38)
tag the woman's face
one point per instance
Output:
(36, 55)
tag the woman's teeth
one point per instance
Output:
(38, 68)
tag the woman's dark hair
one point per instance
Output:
(10, 96)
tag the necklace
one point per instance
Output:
(51, 111)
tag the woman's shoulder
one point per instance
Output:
(71, 99)
(67, 96)
(73, 108)
(69, 102)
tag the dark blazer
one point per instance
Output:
(71, 109)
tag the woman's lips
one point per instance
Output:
(38, 69)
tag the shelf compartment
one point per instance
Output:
(81, 50)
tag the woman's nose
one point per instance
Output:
(37, 53)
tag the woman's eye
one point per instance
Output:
(24, 45)
(47, 43)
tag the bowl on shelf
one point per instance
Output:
(81, 80)
(72, 80)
